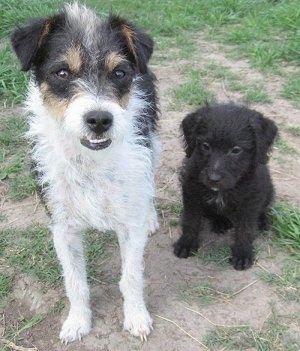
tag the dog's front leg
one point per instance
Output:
(242, 249)
(136, 317)
(69, 249)
(188, 243)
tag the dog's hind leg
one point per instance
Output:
(136, 317)
(69, 249)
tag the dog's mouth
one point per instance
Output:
(96, 143)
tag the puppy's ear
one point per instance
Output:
(265, 133)
(188, 127)
(138, 45)
(27, 40)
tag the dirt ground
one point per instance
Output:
(179, 323)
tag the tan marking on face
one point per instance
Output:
(44, 33)
(112, 60)
(74, 59)
(55, 105)
(124, 101)
(129, 36)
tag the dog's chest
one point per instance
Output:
(217, 201)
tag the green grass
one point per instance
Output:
(217, 253)
(14, 12)
(295, 131)
(14, 166)
(283, 147)
(204, 293)
(273, 336)
(194, 91)
(256, 94)
(13, 332)
(31, 251)
(291, 88)
(286, 226)
(12, 81)
(287, 283)
(6, 283)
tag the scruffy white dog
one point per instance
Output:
(93, 113)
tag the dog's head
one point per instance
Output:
(227, 142)
(84, 71)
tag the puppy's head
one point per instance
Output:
(84, 71)
(227, 142)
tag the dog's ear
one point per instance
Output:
(265, 133)
(188, 126)
(27, 40)
(138, 44)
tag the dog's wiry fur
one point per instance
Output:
(93, 113)
(225, 177)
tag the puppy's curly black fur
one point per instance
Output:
(225, 177)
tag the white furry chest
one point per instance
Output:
(100, 189)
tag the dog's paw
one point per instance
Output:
(241, 258)
(138, 322)
(184, 250)
(75, 327)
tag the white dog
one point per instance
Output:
(93, 113)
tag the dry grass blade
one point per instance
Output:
(15, 347)
(183, 330)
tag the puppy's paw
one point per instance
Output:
(137, 321)
(242, 258)
(75, 327)
(184, 249)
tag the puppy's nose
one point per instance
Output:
(98, 121)
(214, 177)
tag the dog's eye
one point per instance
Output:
(236, 150)
(63, 74)
(205, 146)
(119, 74)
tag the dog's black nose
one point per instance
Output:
(98, 121)
(214, 177)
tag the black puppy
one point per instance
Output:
(225, 177)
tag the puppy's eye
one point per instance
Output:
(205, 146)
(236, 150)
(63, 74)
(118, 74)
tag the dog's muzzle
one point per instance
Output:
(98, 122)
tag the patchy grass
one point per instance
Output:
(286, 226)
(291, 88)
(287, 283)
(273, 336)
(12, 81)
(204, 293)
(217, 252)
(283, 147)
(194, 91)
(295, 131)
(256, 94)
(14, 167)
(31, 251)
(13, 331)
(6, 283)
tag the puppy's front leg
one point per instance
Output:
(189, 240)
(136, 317)
(69, 249)
(242, 249)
